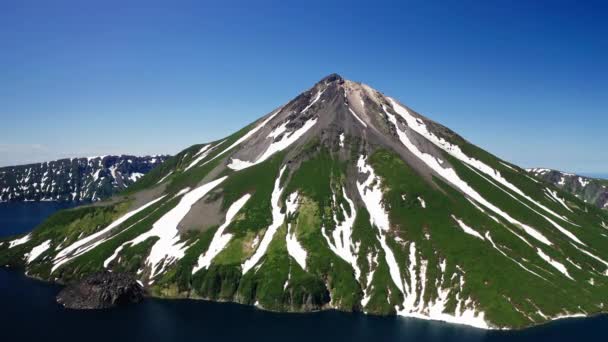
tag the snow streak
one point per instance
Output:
(278, 219)
(341, 241)
(220, 240)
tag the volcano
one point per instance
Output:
(342, 198)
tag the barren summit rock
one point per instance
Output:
(101, 290)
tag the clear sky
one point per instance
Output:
(525, 80)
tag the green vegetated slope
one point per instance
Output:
(338, 218)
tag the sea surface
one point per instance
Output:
(28, 312)
(597, 175)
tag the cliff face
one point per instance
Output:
(76, 179)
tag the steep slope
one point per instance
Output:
(342, 198)
(590, 190)
(75, 179)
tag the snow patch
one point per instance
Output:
(277, 221)
(455, 151)
(246, 136)
(317, 97)
(553, 195)
(557, 265)
(342, 244)
(275, 146)
(357, 117)
(135, 176)
(36, 251)
(165, 177)
(451, 176)
(294, 248)
(168, 247)
(467, 229)
(371, 194)
(20, 241)
(83, 245)
(422, 202)
(220, 240)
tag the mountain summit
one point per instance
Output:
(341, 198)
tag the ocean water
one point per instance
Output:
(28, 312)
(597, 175)
(20, 217)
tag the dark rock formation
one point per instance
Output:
(101, 290)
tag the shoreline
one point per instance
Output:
(490, 328)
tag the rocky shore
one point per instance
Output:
(101, 290)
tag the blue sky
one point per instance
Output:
(526, 80)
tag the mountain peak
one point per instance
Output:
(331, 78)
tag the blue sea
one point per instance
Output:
(597, 175)
(28, 312)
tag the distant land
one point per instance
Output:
(592, 190)
(74, 179)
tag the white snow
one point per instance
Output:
(279, 130)
(568, 315)
(36, 251)
(595, 257)
(560, 228)
(489, 238)
(508, 166)
(422, 202)
(584, 182)
(538, 170)
(413, 303)
(454, 150)
(248, 135)
(275, 146)
(372, 262)
(277, 221)
(168, 247)
(95, 175)
(317, 97)
(467, 229)
(83, 245)
(357, 117)
(342, 140)
(451, 176)
(371, 194)
(220, 240)
(202, 154)
(558, 266)
(113, 173)
(294, 248)
(553, 195)
(20, 241)
(342, 244)
(135, 176)
(165, 177)
(107, 262)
